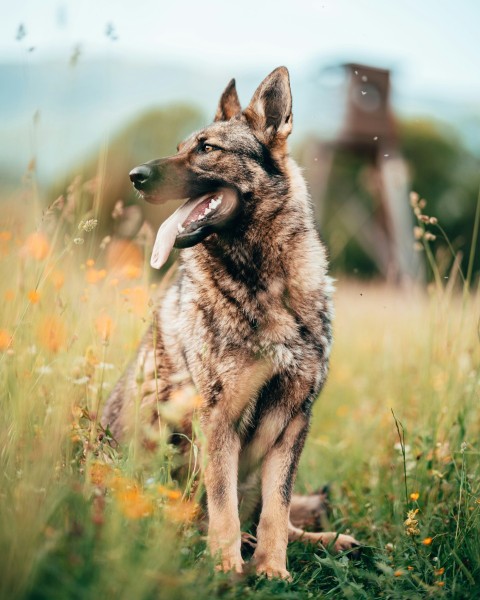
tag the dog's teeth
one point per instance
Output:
(180, 228)
(215, 202)
(207, 211)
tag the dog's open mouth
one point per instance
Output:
(196, 219)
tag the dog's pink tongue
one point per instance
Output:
(166, 236)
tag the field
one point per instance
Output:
(395, 433)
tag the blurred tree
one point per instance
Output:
(447, 176)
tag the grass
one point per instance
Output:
(80, 519)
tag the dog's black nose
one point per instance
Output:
(139, 176)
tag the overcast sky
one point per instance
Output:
(433, 44)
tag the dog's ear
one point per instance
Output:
(270, 110)
(229, 104)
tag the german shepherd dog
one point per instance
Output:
(248, 321)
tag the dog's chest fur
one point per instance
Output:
(245, 329)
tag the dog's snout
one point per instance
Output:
(140, 176)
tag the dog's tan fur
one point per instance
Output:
(248, 323)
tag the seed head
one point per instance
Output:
(88, 225)
(411, 523)
(417, 233)
(414, 198)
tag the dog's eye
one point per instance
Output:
(207, 148)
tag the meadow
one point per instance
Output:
(395, 432)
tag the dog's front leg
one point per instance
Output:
(278, 475)
(221, 475)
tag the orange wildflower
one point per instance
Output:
(95, 275)
(5, 237)
(181, 512)
(37, 246)
(58, 279)
(33, 296)
(440, 583)
(5, 340)
(51, 333)
(131, 271)
(398, 573)
(414, 496)
(427, 541)
(104, 326)
(440, 571)
(133, 503)
(138, 297)
(168, 493)
(125, 259)
(100, 473)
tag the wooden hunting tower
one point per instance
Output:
(368, 130)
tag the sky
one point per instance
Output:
(432, 44)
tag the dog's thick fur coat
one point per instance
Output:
(248, 322)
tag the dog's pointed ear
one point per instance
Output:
(269, 113)
(229, 104)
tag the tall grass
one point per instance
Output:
(81, 518)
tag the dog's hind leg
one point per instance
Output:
(310, 510)
(339, 541)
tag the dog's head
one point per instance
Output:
(222, 170)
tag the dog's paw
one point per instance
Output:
(341, 542)
(230, 564)
(272, 571)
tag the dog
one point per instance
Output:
(247, 322)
